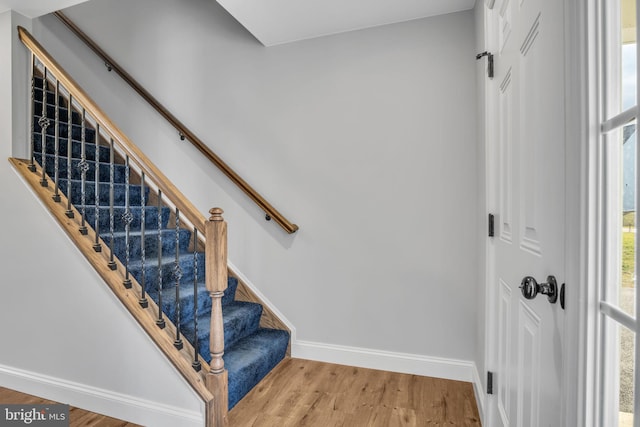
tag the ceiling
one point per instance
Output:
(275, 22)
(281, 21)
(35, 8)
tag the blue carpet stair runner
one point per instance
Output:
(250, 351)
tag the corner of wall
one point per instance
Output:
(14, 72)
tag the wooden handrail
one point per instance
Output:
(129, 148)
(270, 211)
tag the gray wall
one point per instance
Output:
(365, 139)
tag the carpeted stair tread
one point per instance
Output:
(169, 306)
(76, 119)
(51, 97)
(241, 319)
(63, 102)
(150, 239)
(150, 217)
(119, 171)
(63, 130)
(187, 302)
(251, 359)
(168, 263)
(76, 148)
(135, 192)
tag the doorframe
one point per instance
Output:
(582, 222)
(585, 19)
(490, 156)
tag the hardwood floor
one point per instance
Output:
(306, 393)
(77, 417)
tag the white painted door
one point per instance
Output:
(525, 187)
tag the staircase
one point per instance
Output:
(150, 239)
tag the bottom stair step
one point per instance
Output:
(240, 318)
(251, 359)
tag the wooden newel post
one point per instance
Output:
(216, 281)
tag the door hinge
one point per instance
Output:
(491, 225)
(489, 382)
(489, 62)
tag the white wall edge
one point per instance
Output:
(479, 392)
(264, 300)
(428, 366)
(106, 402)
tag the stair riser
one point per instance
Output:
(187, 283)
(230, 292)
(135, 193)
(186, 304)
(151, 243)
(270, 344)
(168, 280)
(76, 148)
(119, 171)
(50, 101)
(238, 329)
(231, 336)
(50, 98)
(63, 132)
(150, 220)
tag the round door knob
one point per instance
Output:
(530, 288)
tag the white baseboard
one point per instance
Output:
(479, 392)
(106, 402)
(453, 369)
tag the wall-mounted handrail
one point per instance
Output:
(184, 132)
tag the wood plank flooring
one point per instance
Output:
(306, 393)
(77, 417)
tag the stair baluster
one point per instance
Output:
(143, 297)
(177, 274)
(44, 124)
(160, 321)
(127, 218)
(84, 167)
(32, 165)
(96, 245)
(56, 136)
(69, 212)
(196, 362)
(112, 262)
(216, 281)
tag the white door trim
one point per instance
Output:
(491, 45)
(582, 214)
